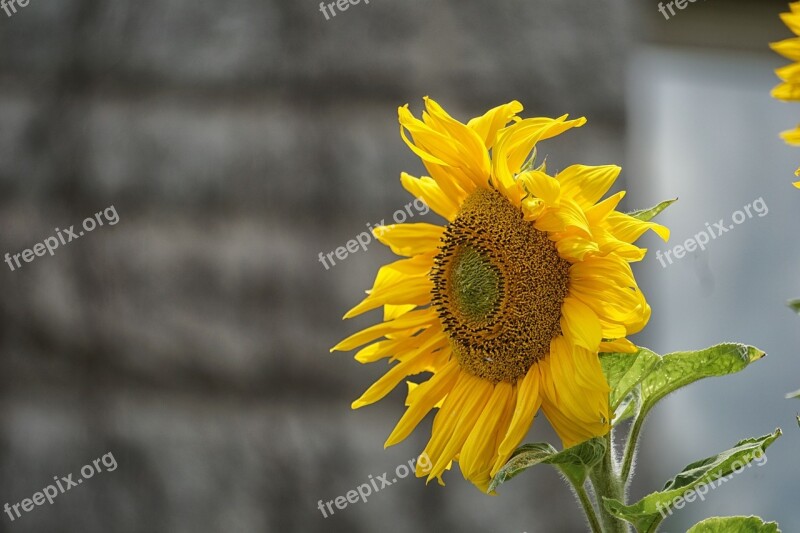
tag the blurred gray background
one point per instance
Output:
(239, 140)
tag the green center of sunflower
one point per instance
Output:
(499, 286)
(476, 284)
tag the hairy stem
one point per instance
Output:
(630, 449)
(606, 483)
(588, 509)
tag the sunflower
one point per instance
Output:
(509, 303)
(789, 88)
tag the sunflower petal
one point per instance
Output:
(410, 239)
(487, 125)
(424, 398)
(431, 193)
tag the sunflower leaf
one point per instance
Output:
(676, 370)
(734, 524)
(628, 407)
(626, 370)
(692, 482)
(649, 214)
(574, 462)
(795, 305)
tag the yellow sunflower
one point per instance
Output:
(509, 303)
(789, 88)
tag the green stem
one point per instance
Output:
(630, 449)
(654, 526)
(607, 484)
(588, 509)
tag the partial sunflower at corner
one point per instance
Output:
(789, 88)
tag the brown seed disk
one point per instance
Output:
(499, 286)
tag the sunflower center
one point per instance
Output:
(499, 286)
(475, 284)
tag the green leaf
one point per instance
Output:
(639, 380)
(734, 524)
(795, 394)
(795, 305)
(628, 407)
(626, 370)
(574, 462)
(679, 369)
(691, 483)
(649, 214)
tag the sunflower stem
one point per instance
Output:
(630, 449)
(588, 509)
(607, 484)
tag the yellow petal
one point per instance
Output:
(790, 72)
(788, 48)
(411, 290)
(424, 398)
(420, 318)
(517, 141)
(391, 347)
(474, 148)
(580, 324)
(514, 145)
(791, 136)
(441, 140)
(542, 186)
(445, 421)
(567, 215)
(618, 346)
(576, 247)
(789, 92)
(628, 229)
(410, 239)
(390, 312)
(487, 125)
(398, 283)
(431, 193)
(578, 412)
(390, 379)
(467, 418)
(477, 457)
(792, 21)
(598, 213)
(528, 403)
(587, 184)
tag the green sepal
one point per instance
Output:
(649, 214)
(574, 463)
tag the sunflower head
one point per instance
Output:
(507, 305)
